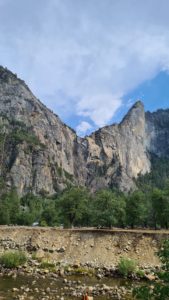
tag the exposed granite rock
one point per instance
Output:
(52, 164)
(120, 154)
(157, 132)
(40, 154)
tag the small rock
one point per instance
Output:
(15, 290)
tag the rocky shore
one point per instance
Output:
(46, 280)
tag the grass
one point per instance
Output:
(84, 271)
(13, 259)
(127, 266)
(48, 265)
(140, 273)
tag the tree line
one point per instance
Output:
(77, 206)
(148, 206)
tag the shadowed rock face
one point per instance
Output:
(157, 132)
(40, 154)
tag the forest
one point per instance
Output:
(146, 207)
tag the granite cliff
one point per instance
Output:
(40, 154)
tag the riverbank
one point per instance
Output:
(31, 287)
(65, 263)
(45, 280)
(97, 248)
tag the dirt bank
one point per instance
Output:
(96, 247)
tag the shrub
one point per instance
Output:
(140, 273)
(164, 255)
(11, 259)
(127, 266)
(43, 223)
(158, 290)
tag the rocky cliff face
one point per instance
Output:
(157, 132)
(120, 151)
(40, 154)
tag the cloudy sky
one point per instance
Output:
(89, 61)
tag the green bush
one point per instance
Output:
(43, 223)
(140, 273)
(127, 266)
(158, 290)
(13, 259)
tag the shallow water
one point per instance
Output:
(56, 285)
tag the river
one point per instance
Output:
(28, 287)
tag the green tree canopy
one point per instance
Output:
(136, 209)
(108, 209)
(74, 207)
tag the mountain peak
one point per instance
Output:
(135, 113)
(137, 107)
(137, 104)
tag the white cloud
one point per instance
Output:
(83, 127)
(92, 52)
(100, 108)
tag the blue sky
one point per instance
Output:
(89, 61)
(154, 93)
